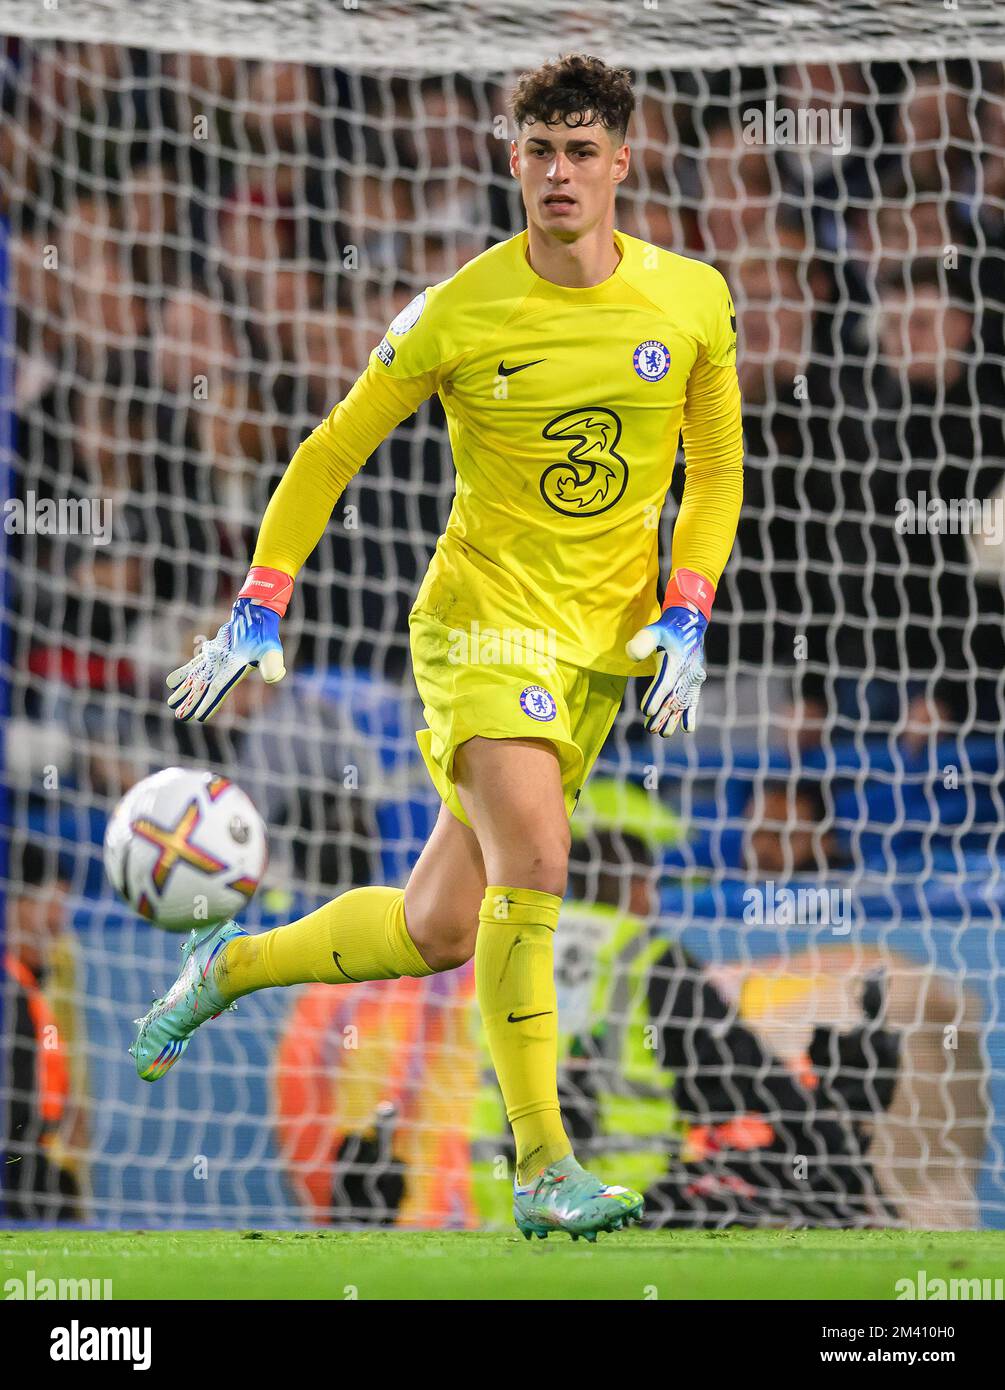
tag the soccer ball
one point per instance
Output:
(185, 849)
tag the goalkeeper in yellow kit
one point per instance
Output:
(568, 360)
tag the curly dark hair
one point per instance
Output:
(577, 89)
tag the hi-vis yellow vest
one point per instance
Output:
(603, 957)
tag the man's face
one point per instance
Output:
(35, 921)
(194, 338)
(775, 844)
(925, 336)
(568, 176)
(447, 137)
(776, 326)
(738, 193)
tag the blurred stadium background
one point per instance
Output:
(210, 215)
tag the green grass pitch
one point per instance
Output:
(471, 1265)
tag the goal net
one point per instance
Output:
(780, 961)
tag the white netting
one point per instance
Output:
(203, 244)
(465, 36)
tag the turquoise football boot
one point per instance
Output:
(567, 1198)
(163, 1034)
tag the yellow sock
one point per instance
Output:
(515, 981)
(359, 936)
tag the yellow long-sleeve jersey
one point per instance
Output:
(565, 408)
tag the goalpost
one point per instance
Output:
(211, 213)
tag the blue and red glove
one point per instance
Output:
(250, 638)
(679, 634)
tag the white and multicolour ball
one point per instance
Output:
(185, 849)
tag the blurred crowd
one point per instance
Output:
(204, 250)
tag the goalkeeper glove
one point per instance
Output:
(679, 634)
(249, 638)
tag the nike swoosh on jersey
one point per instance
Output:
(521, 367)
(337, 958)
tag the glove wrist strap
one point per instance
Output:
(269, 588)
(686, 589)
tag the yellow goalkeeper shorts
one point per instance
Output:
(476, 684)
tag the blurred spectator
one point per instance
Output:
(654, 141)
(329, 352)
(648, 206)
(925, 1145)
(283, 111)
(155, 219)
(56, 118)
(444, 142)
(194, 345)
(201, 84)
(925, 638)
(256, 229)
(787, 830)
(383, 529)
(990, 199)
(157, 540)
(39, 329)
(740, 187)
(436, 257)
(380, 1133)
(750, 1113)
(858, 1028)
(912, 222)
(820, 178)
(245, 444)
(729, 1114)
(805, 442)
(195, 99)
(105, 311)
(377, 210)
(655, 221)
(42, 1115)
(987, 213)
(262, 281)
(293, 123)
(883, 242)
(610, 1083)
(420, 204)
(23, 147)
(79, 76)
(937, 134)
